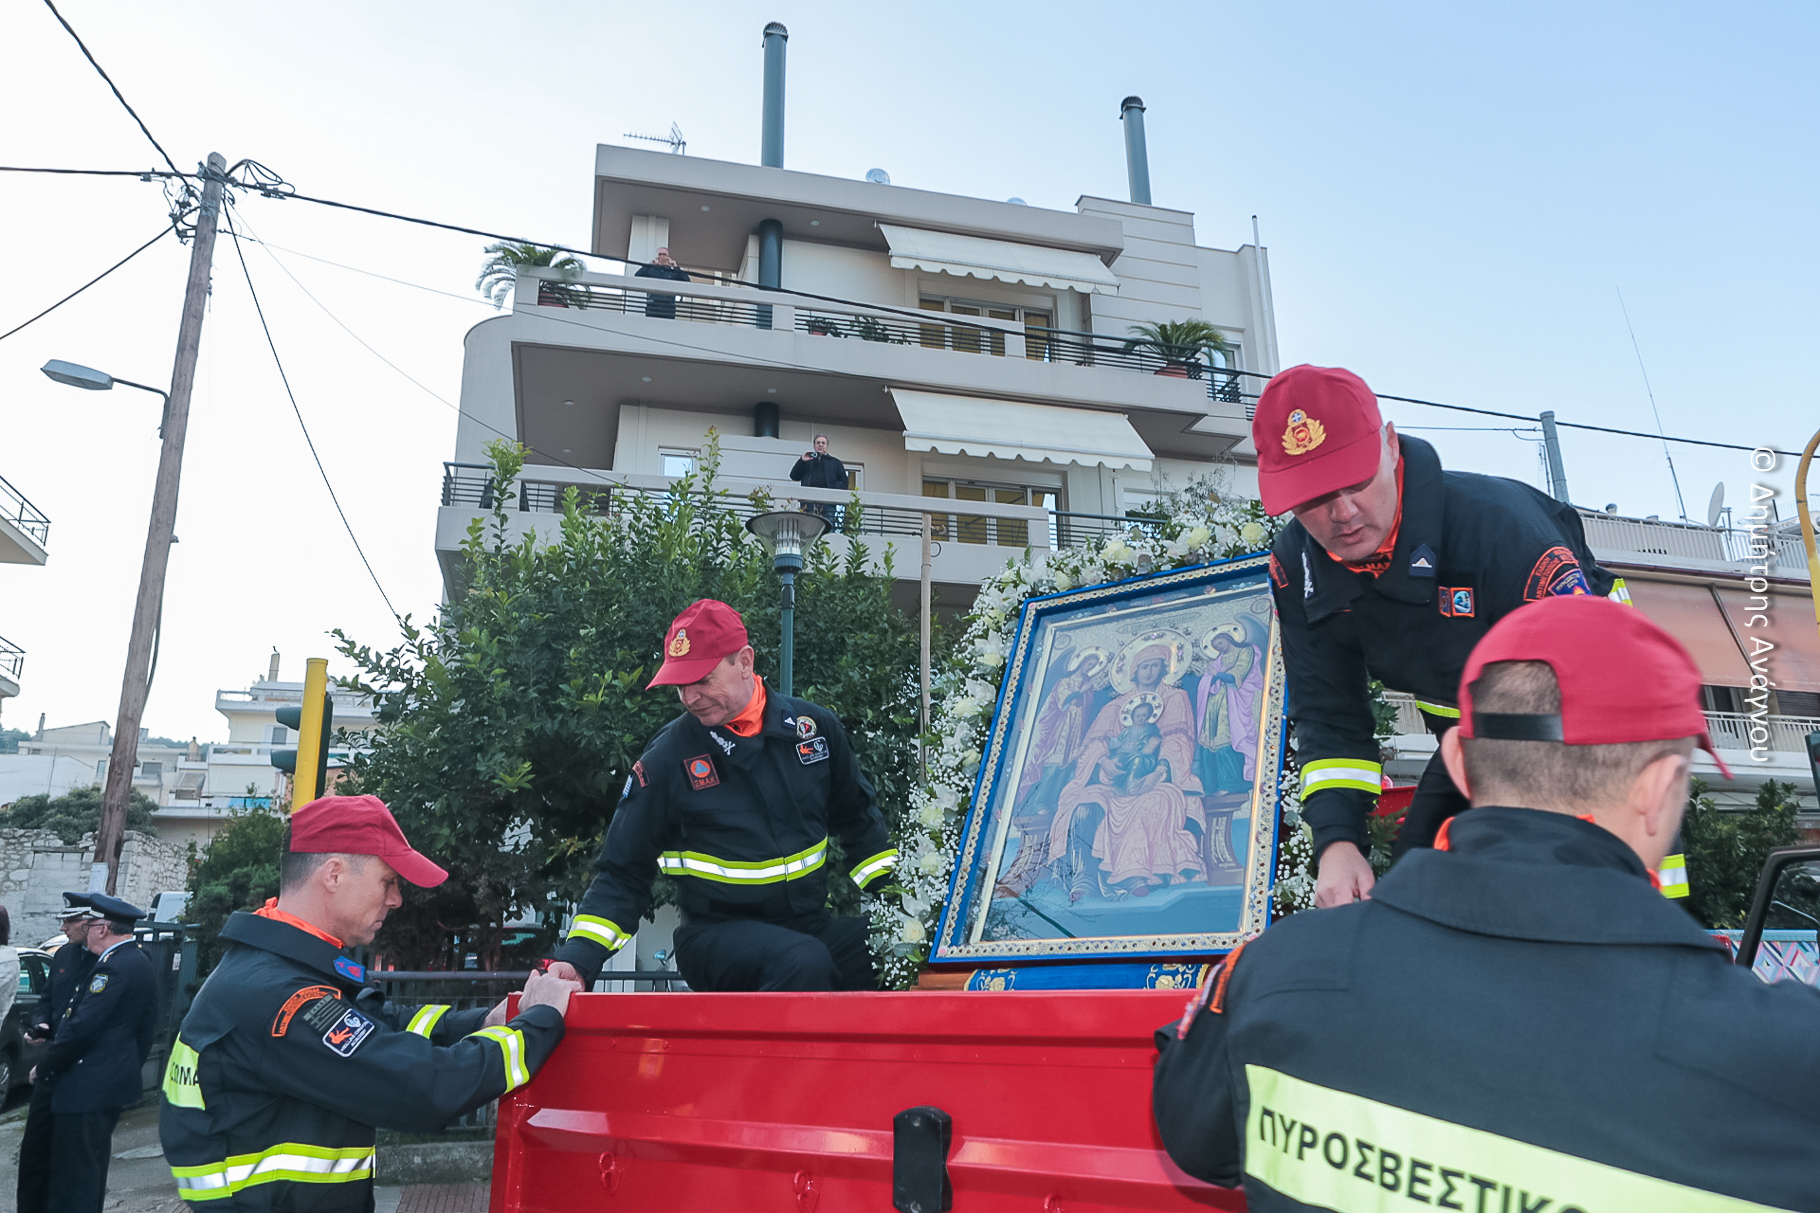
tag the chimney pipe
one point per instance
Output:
(771, 152)
(272, 673)
(1137, 157)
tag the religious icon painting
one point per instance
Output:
(1126, 803)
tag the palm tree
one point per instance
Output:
(1179, 343)
(507, 257)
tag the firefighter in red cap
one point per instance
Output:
(1392, 569)
(736, 800)
(287, 1061)
(1583, 1043)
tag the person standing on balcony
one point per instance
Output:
(735, 800)
(1392, 569)
(817, 469)
(662, 266)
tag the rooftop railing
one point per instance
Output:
(1675, 541)
(1730, 730)
(14, 508)
(12, 659)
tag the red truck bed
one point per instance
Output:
(784, 1102)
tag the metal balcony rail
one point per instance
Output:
(1787, 734)
(14, 508)
(1073, 530)
(1691, 541)
(12, 659)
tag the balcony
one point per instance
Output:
(1686, 545)
(12, 663)
(24, 529)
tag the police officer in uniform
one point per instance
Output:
(1391, 569)
(287, 1061)
(70, 967)
(96, 1055)
(735, 800)
(1584, 1045)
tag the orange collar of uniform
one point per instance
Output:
(752, 718)
(270, 910)
(1379, 560)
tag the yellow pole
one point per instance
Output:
(309, 732)
(1807, 524)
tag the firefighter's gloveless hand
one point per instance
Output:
(1345, 876)
(548, 989)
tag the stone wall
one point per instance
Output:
(36, 867)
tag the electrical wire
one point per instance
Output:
(304, 426)
(116, 88)
(91, 282)
(141, 173)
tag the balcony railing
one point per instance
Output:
(14, 508)
(1673, 541)
(12, 659)
(1730, 730)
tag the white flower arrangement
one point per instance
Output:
(1196, 527)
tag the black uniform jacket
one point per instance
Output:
(98, 1050)
(1470, 550)
(1518, 1024)
(820, 472)
(285, 1064)
(70, 966)
(741, 823)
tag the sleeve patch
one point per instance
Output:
(98, 984)
(1556, 574)
(348, 1033)
(281, 1023)
(638, 771)
(322, 1013)
(1278, 577)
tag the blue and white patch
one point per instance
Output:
(98, 984)
(1422, 561)
(348, 1033)
(815, 749)
(627, 790)
(350, 970)
(720, 741)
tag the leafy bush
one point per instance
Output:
(1726, 848)
(239, 872)
(75, 813)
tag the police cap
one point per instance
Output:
(119, 913)
(76, 905)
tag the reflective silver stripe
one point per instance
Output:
(600, 930)
(288, 1160)
(424, 1022)
(765, 871)
(511, 1044)
(1342, 773)
(881, 862)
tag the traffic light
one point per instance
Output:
(314, 721)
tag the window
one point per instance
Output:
(279, 734)
(34, 975)
(677, 463)
(151, 770)
(101, 770)
(1721, 699)
(975, 341)
(975, 528)
(1797, 703)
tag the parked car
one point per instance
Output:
(17, 1054)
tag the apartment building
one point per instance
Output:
(24, 532)
(953, 349)
(90, 747)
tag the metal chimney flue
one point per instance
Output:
(1137, 156)
(771, 151)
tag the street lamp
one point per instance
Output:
(787, 535)
(90, 379)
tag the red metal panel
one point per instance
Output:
(755, 1102)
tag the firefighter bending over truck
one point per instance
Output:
(1392, 569)
(735, 800)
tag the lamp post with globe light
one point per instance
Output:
(787, 536)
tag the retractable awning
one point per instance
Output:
(976, 257)
(1012, 429)
(1690, 614)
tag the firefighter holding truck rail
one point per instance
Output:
(1393, 568)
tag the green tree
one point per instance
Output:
(1725, 850)
(75, 813)
(10, 739)
(239, 872)
(1177, 342)
(506, 258)
(510, 724)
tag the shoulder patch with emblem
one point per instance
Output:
(1456, 601)
(350, 970)
(281, 1022)
(805, 726)
(1556, 574)
(98, 984)
(1422, 561)
(815, 749)
(701, 772)
(348, 1033)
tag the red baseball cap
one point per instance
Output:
(706, 632)
(1316, 430)
(360, 825)
(1622, 677)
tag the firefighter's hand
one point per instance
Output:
(496, 1016)
(1345, 876)
(548, 989)
(564, 970)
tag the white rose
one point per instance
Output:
(930, 815)
(1196, 536)
(1117, 552)
(912, 931)
(1251, 533)
(930, 864)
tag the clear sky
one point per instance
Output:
(1452, 196)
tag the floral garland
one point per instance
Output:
(1194, 529)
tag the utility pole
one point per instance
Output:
(134, 687)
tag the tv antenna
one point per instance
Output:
(675, 139)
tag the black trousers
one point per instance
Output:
(81, 1144)
(1436, 800)
(35, 1153)
(817, 953)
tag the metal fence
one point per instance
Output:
(12, 659)
(15, 509)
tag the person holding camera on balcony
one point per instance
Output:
(663, 307)
(817, 469)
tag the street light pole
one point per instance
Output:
(787, 535)
(104, 872)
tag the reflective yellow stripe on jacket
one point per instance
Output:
(1336, 1150)
(731, 871)
(603, 931)
(424, 1022)
(1442, 710)
(867, 870)
(1671, 877)
(511, 1044)
(288, 1160)
(182, 1084)
(1324, 773)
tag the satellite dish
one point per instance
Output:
(878, 176)
(1017, 202)
(1716, 504)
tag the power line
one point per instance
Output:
(110, 83)
(1652, 402)
(141, 173)
(91, 282)
(301, 424)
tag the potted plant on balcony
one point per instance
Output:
(506, 258)
(1179, 343)
(871, 328)
(823, 326)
